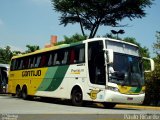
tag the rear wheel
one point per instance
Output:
(76, 97)
(24, 93)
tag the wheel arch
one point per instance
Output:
(24, 87)
(76, 87)
(17, 87)
(24, 92)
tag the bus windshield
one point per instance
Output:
(127, 70)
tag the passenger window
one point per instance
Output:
(21, 64)
(29, 63)
(17, 64)
(25, 63)
(77, 54)
(43, 61)
(13, 64)
(65, 58)
(72, 56)
(60, 57)
(38, 61)
(55, 59)
(50, 60)
(81, 55)
(33, 63)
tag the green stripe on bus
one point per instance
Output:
(48, 78)
(58, 78)
(136, 89)
(56, 75)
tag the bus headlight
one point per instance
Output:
(112, 88)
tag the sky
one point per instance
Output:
(32, 22)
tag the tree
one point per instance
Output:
(74, 38)
(5, 55)
(152, 96)
(16, 53)
(31, 48)
(91, 14)
(157, 45)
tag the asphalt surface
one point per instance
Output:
(12, 108)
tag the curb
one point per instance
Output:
(137, 107)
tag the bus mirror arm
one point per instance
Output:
(151, 64)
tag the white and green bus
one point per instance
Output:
(80, 72)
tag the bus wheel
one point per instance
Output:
(24, 93)
(18, 91)
(109, 105)
(76, 97)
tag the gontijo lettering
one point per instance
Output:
(31, 73)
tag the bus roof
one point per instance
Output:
(72, 44)
(110, 39)
(47, 49)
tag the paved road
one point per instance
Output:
(14, 106)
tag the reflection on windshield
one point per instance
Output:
(126, 70)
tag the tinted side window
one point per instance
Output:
(65, 57)
(13, 64)
(44, 59)
(77, 54)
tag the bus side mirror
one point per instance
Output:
(151, 62)
(110, 57)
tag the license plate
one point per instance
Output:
(129, 98)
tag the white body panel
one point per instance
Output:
(78, 74)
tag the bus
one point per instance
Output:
(80, 72)
(4, 68)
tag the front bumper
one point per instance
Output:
(117, 97)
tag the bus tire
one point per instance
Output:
(77, 97)
(24, 93)
(18, 91)
(109, 105)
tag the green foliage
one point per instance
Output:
(153, 79)
(16, 53)
(75, 38)
(153, 85)
(157, 45)
(31, 48)
(5, 55)
(91, 14)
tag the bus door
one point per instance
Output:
(96, 69)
